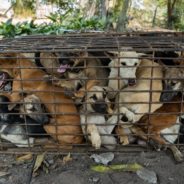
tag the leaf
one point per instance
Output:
(67, 158)
(24, 157)
(120, 167)
(38, 162)
(2, 173)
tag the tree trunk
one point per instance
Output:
(154, 17)
(122, 19)
(170, 10)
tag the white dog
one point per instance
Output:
(131, 102)
(94, 115)
(123, 69)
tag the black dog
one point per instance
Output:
(17, 130)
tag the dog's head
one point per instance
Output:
(33, 108)
(97, 101)
(173, 82)
(8, 63)
(127, 63)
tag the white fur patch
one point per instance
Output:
(173, 131)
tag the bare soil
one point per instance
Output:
(78, 170)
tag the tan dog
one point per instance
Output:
(65, 123)
(94, 115)
(131, 103)
(162, 126)
(85, 72)
(123, 68)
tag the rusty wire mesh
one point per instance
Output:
(56, 91)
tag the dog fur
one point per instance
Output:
(173, 82)
(12, 126)
(123, 69)
(93, 118)
(64, 124)
(85, 72)
(162, 126)
(130, 112)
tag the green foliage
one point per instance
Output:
(59, 25)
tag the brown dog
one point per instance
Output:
(85, 72)
(162, 126)
(65, 123)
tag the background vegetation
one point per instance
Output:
(96, 15)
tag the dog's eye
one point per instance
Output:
(173, 83)
(94, 97)
(123, 63)
(76, 70)
(104, 95)
(135, 64)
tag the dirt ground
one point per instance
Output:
(78, 169)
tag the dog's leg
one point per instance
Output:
(131, 116)
(109, 140)
(94, 135)
(123, 138)
(19, 140)
(176, 153)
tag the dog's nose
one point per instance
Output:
(63, 61)
(124, 118)
(131, 82)
(100, 107)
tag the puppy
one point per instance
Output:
(173, 82)
(123, 69)
(31, 108)
(12, 126)
(162, 126)
(133, 102)
(94, 115)
(64, 123)
(86, 71)
(5, 82)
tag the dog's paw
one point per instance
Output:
(96, 141)
(128, 116)
(124, 140)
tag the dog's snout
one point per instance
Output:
(131, 82)
(124, 118)
(65, 61)
(168, 94)
(100, 107)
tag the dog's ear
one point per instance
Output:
(109, 92)
(9, 59)
(111, 54)
(164, 67)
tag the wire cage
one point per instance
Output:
(88, 92)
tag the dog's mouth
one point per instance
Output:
(63, 68)
(3, 77)
(4, 82)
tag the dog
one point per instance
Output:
(5, 82)
(163, 126)
(64, 125)
(12, 127)
(132, 103)
(82, 72)
(173, 82)
(94, 115)
(123, 69)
